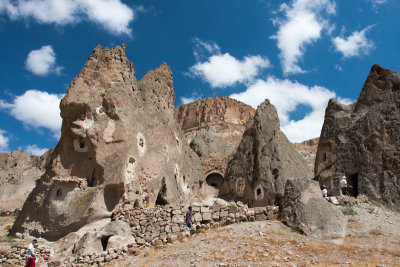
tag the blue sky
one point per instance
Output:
(297, 53)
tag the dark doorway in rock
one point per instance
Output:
(215, 180)
(104, 241)
(258, 191)
(352, 180)
(162, 194)
(112, 195)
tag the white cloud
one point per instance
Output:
(3, 141)
(35, 150)
(195, 96)
(37, 109)
(113, 15)
(202, 49)
(42, 61)
(287, 96)
(222, 70)
(376, 3)
(354, 45)
(301, 26)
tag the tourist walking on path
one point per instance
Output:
(188, 217)
(344, 186)
(31, 254)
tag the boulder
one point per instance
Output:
(265, 159)
(304, 209)
(362, 141)
(119, 141)
(115, 234)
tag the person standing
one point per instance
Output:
(188, 217)
(31, 254)
(344, 186)
(324, 191)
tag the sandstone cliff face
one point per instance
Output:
(362, 140)
(265, 159)
(214, 128)
(18, 174)
(119, 142)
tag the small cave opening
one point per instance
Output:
(258, 191)
(275, 173)
(162, 194)
(141, 142)
(82, 144)
(324, 157)
(104, 241)
(215, 180)
(136, 205)
(59, 192)
(112, 195)
(131, 160)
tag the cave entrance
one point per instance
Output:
(216, 181)
(352, 180)
(112, 195)
(162, 194)
(104, 242)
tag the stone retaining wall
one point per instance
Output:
(153, 227)
(16, 255)
(158, 225)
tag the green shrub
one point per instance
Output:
(347, 210)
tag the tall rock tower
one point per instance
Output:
(119, 142)
(264, 161)
(362, 141)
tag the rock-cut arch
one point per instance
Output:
(215, 184)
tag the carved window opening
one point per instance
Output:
(59, 192)
(258, 191)
(141, 142)
(82, 144)
(275, 173)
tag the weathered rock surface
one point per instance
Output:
(362, 141)
(18, 174)
(119, 142)
(214, 129)
(304, 208)
(265, 159)
(308, 150)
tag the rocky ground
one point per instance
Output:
(372, 239)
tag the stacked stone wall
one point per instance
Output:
(152, 227)
(161, 225)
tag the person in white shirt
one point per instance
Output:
(324, 191)
(344, 186)
(31, 254)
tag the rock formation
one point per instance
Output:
(119, 142)
(362, 141)
(308, 150)
(214, 129)
(304, 209)
(265, 159)
(18, 174)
